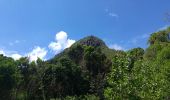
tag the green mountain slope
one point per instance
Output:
(76, 51)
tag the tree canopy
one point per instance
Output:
(89, 70)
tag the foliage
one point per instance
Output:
(9, 77)
(148, 77)
(118, 79)
(97, 65)
(89, 70)
(161, 36)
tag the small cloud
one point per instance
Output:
(17, 41)
(106, 10)
(61, 37)
(36, 53)
(144, 36)
(116, 47)
(139, 38)
(163, 28)
(134, 40)
(113, 15)
(13, 43)
(62, 42)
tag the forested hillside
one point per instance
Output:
(89, 70)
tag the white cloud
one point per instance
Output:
(61, 37)
(70, 42)
(62, 42)
(15, 56)
(116, 47)
(36, 53)
(55, 47)
(2, 52)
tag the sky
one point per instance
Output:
(43, 28)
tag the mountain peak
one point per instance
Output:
(92, 41)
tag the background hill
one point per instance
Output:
(76, 51)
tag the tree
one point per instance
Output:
(64, 79)
(9, 78)
(160, 36)
(97, 65)
(134, 55)
(118, 79)
(95, 61)
(76, 53)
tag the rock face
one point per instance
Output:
(91, 41)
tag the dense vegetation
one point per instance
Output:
(89, 70)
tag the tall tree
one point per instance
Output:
(97, 65)
(9, 78)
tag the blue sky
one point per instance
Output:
(30, 26)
